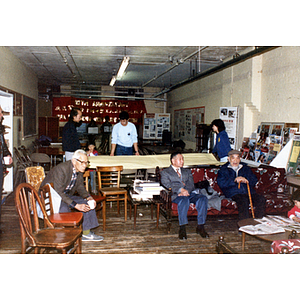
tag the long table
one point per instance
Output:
(151, 161)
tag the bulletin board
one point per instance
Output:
(185, 121)
(229, 115)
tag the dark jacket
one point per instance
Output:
(70, 139)
(60, 176)
(222, 146)
(227, 175)
(3, 147)
(170, 179)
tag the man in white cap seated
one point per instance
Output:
(232, 180)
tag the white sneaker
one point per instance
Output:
(92, 237)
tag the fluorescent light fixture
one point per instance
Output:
(113, 80)
(123, 66)
(121, 71)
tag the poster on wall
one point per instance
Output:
(154, 124)
(149, 126)
(163, 123)
(229, 115)
(185, 121)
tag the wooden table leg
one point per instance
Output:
(134, 215)
(243, 240)
(125, 207)
(157, 213)
(151, 211)
(104, 214)
(130, 207)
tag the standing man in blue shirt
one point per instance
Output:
(124, 137)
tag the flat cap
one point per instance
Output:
(231, 152)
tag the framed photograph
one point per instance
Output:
(277, 129)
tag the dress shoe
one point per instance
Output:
(182, 233)
(201, 230)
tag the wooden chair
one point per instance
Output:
(68, 219)
(41, 159)
(100, 200)
(65, 240)
(35, 176)
(109, 185)
(223, 248)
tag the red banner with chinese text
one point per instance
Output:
(98, 109)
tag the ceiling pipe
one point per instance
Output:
(181, 61)
(67, 64)
(229, 63)
(107, 96)
(43, 65)
(72, 58)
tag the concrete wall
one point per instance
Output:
(15, 76)
(265, 88)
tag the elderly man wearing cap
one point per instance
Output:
(233, 178)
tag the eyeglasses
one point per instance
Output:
(83, 162)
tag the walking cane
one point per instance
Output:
(250, 198)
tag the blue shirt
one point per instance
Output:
(222, 146)
(124, 135)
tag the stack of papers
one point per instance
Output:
(261, 229)
(271, 225)
(145, 189)
(282, 222)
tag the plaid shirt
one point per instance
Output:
(72, 182)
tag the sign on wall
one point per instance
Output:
(229, 115)
(155, 124)
(185, 121)
(98, 109)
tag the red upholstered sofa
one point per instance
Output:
(271, 183)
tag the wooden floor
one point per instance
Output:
(121, 237)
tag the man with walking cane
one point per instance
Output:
(237, 181)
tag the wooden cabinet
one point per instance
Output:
(202, 135)
(49, 126)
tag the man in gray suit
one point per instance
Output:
(67, 178)
(181, 182)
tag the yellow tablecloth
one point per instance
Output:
(151, 161)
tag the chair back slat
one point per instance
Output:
(47, 199)
(109, 176)
(86, 176)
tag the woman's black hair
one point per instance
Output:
(74, 113)
(219, 123)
